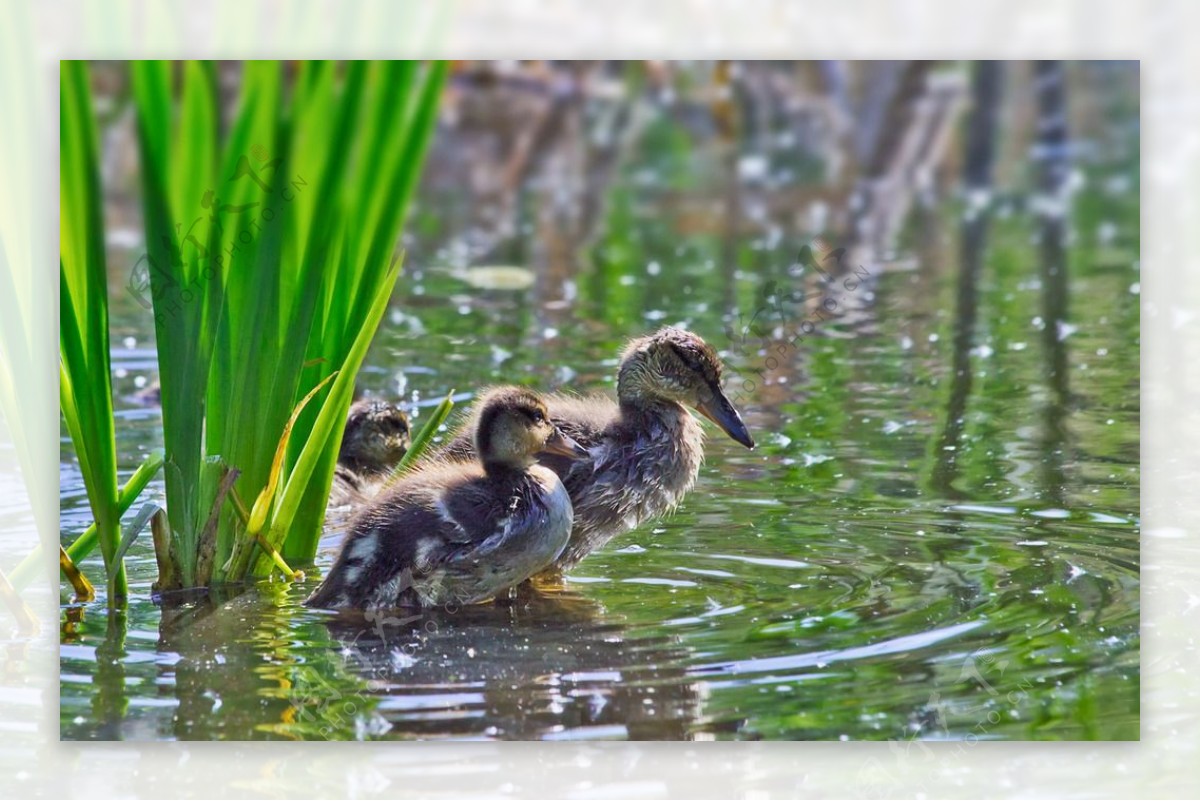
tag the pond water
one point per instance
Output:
(913, 550)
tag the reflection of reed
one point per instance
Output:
(907, 120)
(1054, 166)
(236, 661)
(890, 119)
(110, 702)
(977, 179)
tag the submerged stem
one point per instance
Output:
(84, 591)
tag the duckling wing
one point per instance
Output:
(397, 540)
(522, 525)
(481, 510)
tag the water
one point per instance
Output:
(908, 553)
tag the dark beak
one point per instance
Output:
(559, 443)
(718, 409)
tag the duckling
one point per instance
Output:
(376, 436)
(645, 450)
(456, 533)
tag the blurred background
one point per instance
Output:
(924, 279)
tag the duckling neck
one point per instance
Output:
(666, 441)
(642, 406)
(497, 468)
(667, 422)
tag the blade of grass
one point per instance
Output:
(85, 378)
(131, 532)
(258, 514)
(177, 318)
(86, 542)
(276, 557)
(424, 437)
(239, 560)
(332, 414)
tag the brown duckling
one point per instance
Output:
(376, 436)
(453, 533)
(644, 451)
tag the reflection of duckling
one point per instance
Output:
(459, 533)
(377, 435)
(643, 452)
(502, 671)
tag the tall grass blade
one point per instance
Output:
(85, 388)
(85, 543)
(424, 437)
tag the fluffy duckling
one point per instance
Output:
(461, 532)
(376, 436)
(644, 451)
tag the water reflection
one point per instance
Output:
(545, 665)
(1053, 213)
(977, 180)
(111, 700)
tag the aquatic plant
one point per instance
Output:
(270, 263)
(85, 381)
(424, 437)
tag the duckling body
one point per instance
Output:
(644, 452)
(460, 532)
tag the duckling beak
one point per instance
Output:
(563, 445)
(718, 409)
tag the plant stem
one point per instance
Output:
(86, 542)
(84, 591)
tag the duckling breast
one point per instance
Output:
(560, 514)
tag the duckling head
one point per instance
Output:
(514, 427)
(676, 365)
(377, 435)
